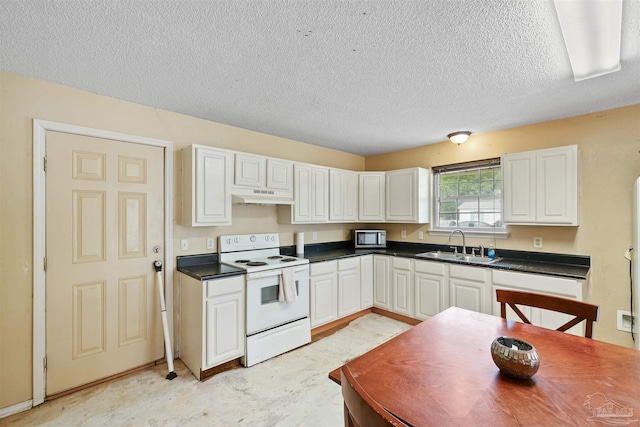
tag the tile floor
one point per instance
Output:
(289, 390)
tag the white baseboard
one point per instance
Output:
(14, 409)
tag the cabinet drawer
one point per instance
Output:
(348, 263)
(229, 285)
(401, 263)
(437, 268)
(322, 267)
(568, 288)
(469, 273)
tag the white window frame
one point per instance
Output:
(436, 228)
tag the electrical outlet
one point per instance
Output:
(403, 234)
(314, 236)
(420, 235)
(624, 320)
(210, 242)
(184, 245)
(537, 242)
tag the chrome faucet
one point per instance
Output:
(481, 247)
(464, 244)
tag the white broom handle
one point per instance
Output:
(163, 310)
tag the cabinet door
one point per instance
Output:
(302, 193)
(350, 190)
(348, 291)
(401, 195)
(343, 196)
(320, 194)
(371, 196)
(467, 294)
(323, 290)
(402, 292)
(557, 186)
(428, 295)
(225, 329)
(381, 278)
(518, 187)
(541, 187)
(207, 177)
(366, 281)
(279, 175)
(336, 195)
(249, 170)
(311, 194)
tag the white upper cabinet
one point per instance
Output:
(541, 187)
(371, 196)
(343, 195)
(407, 195)
(279, 174)
(263, 172)
(311, 194)
(250, 170)
(206, 179)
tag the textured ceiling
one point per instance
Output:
(364, 77)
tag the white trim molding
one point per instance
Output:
(14, 409)
(40, 128)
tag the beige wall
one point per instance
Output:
(609, 144)
(22, 100)
(609, 158)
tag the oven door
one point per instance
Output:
(264, 311)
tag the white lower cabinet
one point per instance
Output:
(382, 281)
(431, 284)
(212, 326)
(402, 286)
(366, 281)
(348, 286)
(323, 292)
(555, 286)
(469, 288)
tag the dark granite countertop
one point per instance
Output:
(205, 267)
(570, 266)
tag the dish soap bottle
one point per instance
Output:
(492, 252)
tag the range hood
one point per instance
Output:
(261, 197)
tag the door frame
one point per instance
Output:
(40, 128)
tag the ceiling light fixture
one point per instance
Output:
(459, 137)
(591, 31)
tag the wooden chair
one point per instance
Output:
(360, 410)
(581, 310)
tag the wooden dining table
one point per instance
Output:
(440, 373)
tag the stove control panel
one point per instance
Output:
(246, 242)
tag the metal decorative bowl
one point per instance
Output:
(515, 357)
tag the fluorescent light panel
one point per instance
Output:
(591, 31)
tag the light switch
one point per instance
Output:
(184, 245)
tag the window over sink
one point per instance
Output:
(468, 196)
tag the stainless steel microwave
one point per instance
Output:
(370, 238)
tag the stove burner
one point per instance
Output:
(289, 260)
(256, 263)
(241, 261)
(275, 257)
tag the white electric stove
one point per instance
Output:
(273, 326)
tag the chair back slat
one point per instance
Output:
(360, 410)
(581, 310)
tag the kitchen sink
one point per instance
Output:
(450, 256)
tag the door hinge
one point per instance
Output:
(45, 163)
(45, 263)
(44, 363)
